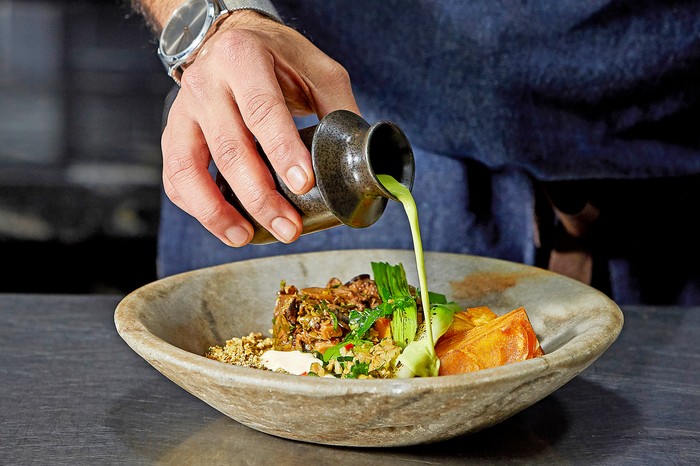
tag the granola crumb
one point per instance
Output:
(244, 351)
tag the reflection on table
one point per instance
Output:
(74, 393)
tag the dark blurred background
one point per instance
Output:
(81, 96)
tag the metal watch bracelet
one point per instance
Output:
(264, 7)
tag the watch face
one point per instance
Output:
(188, 23)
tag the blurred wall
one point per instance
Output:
(81, 93)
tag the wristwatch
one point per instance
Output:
(189, 26)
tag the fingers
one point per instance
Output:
(220, 133)
(234, 152)
(188, 184)
(263, 108)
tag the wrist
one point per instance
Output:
(194, 21)
(239, 19)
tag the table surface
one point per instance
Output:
(72, 392)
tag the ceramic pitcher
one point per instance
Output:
(347, 153)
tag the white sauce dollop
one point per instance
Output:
(294, 362)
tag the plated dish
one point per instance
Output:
(171, 323)
(376, 326)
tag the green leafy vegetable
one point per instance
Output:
(334, 351)
(361, 322)
(395, 293)
(359, 368)
(419, 358)
(436, 298)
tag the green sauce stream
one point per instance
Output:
(409, 204)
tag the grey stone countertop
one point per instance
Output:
(72, 392)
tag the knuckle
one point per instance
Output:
(279, 148)
(228, 152)
(178, 165)
(237, 45)
(337, 75)
(258, 204)
(209, 215)
(261, 107)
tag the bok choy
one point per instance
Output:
(393, 288)
(418, 359)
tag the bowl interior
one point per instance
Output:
(171, 322)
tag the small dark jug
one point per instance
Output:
(347, 154)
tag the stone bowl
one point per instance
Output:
(172, 321)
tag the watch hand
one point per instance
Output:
(185, 37)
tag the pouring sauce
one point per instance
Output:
(404, 196)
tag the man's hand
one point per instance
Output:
(246, 82)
